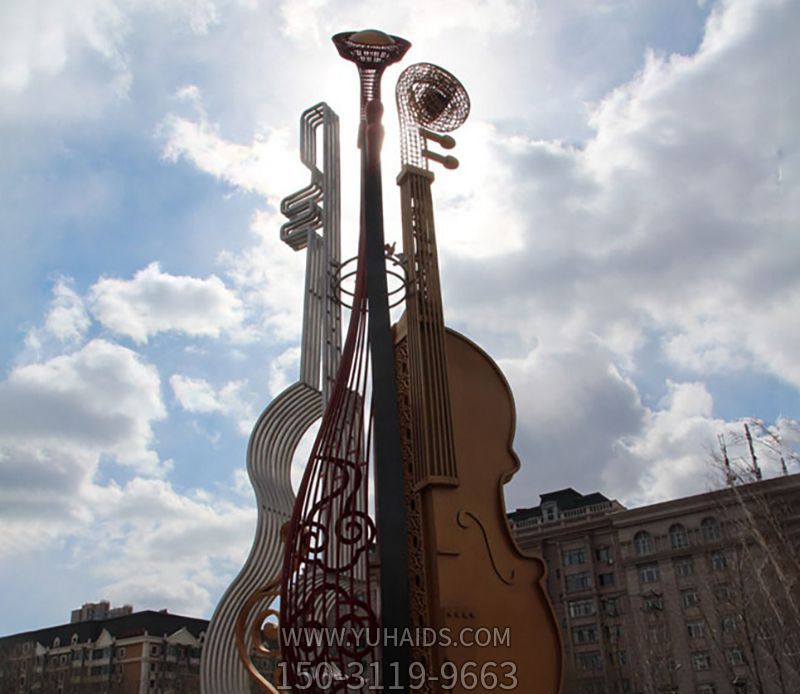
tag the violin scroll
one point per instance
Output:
(431, 102)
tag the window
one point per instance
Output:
(678, 537)
(689, 598)
(620, 657)
(696, 629)
(613, 632)
(653, 601)
(735, 657)
(97, 654)
(95, 671)
(154, 650)
(706, 689)
(605, 579)
(648, 573)
(729, 624)
(740, 686)
(701, 660)
(718, 561)
(684, 566)
(711, 530)
(77, 654)
(62, 660)
(121, 652)
(56, 642)
(575, 556)
(581, 608)
(603, 554)
(74, 639)
(581, 581)
(585, 634)
(590, 660)
(643, 543)
(611, 607)
(722, 593)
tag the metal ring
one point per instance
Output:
(396, 270)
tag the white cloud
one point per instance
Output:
(67, 319)
(194, 394)
(39, 39)
(197, 395)
(283, 370)
(270, 278)
(155, 301)
(168, 547)
(573, 409)
(670, 221)
(59, 420)
(581, 424)
(66, 323)
(268, 165)
(101, 399)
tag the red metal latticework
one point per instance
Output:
(326, 588)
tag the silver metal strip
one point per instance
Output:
(288, 417)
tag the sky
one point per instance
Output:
(621, 236)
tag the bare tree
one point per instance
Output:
(762, 563)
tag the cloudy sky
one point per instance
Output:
(621, 236)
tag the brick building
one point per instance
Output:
(698, 595)
(143, 652)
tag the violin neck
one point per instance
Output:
(434, 459)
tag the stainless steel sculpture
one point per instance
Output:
(314, 217)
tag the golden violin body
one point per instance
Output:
(482, 595)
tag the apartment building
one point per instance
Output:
(694, 596)
(90, 611)
(143, 652)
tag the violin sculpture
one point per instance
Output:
(468, 576)
(430, 416)
(235, 631)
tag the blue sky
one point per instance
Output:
(621, 237)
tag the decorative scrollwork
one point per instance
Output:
(256, 634)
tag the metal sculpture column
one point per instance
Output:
(372, 52)
(326, 579)
(235, 632)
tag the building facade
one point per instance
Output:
(91, 611)
(143, 652)
(698, 595)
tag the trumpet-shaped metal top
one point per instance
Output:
(372, 51)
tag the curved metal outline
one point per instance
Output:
(430, 101)
(286, 419)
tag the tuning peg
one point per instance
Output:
(449, 162)
(445, 141)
